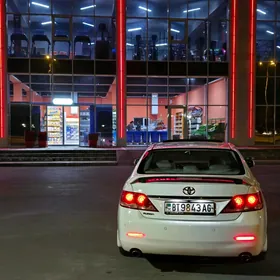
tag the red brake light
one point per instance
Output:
(244, 203)
(245, 238)
(137, 201)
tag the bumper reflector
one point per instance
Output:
(135, 234)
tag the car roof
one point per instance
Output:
(193, 145)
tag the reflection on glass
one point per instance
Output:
(265, 41)
(265, 10)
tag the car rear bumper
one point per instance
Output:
(193, 238)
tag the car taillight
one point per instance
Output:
(244, 203)
(137, 201)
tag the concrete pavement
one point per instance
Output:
(60, 224)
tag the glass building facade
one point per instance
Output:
(176, 80)
(268, 72)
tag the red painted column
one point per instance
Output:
(252, 67)
(121, 71)
(233, 69)
(3, 73)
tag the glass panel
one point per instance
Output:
(84, 7)
(178, 8)
(137, 8)
(217, 91)
(136, 39)
(84, 125)
(62, 38)
(145, 125)
(157, 91)
(265, 90)
(40, 35)
(20, 122)
(158, 39)
(197, 40)
(83, 37)
(157, 8)
(71, 125)
(40, 7)
(265, 41)
(105, 39)
(137, 91)
(177, 30)
(104, 8)
(197, 9)
(62, 7)
(218, 40)
(18, 33)
(55, 125)
(17, 7)
(277, 49)
(266, 9)
(177, 91)
(217, 122)
(39, 118)
(104, 124)
(179, 123)
(264, 125)
(197, 91)
(19, 88)
(277, 91)
(219, 9)
(197, 120)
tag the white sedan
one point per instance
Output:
(195, 199)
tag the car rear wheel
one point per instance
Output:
(123, 252)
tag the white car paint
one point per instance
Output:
(193, 235)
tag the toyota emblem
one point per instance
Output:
(189, 191)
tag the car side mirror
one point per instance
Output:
(250, 162)
(136, 161)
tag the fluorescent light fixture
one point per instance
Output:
(40, 5)
(278, 47)
(128, 44)
(161, 45)
(270, 32)
(46, 22)
(134, 29)
(88, 7)
(175, 30)
(260, 11)
(88, 24)
(191, 10)
(62, 101)
(145, 9)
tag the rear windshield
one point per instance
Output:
(192, 161)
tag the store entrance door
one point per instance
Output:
(177, 122)
(63, 125)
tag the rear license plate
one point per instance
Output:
(187, 208)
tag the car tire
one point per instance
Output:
(123, 252)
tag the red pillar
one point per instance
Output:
(3, 73)
(121, 71)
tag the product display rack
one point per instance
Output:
(179, 124)
(55, 125)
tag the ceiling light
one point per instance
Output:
(46, 22)
(260, 11)
(161, 45)
(134, 29)
(62, 101)
(175, 30)
(88, 24)
(145, 9)
(270, 32)
(88, 7)
(40, 5)
(128, 44)
(278, 47)
(191, 10)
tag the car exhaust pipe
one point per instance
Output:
(136, 253)
(245, 257)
